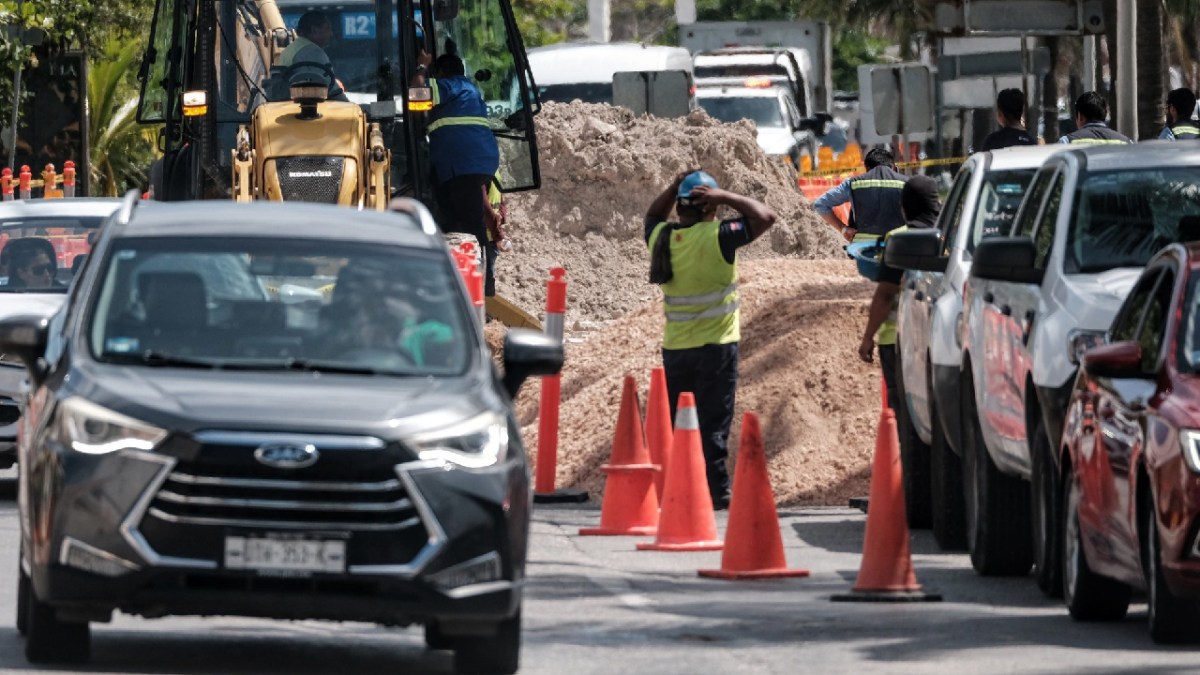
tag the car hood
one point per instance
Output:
(775, 140)
(191, 400)
(1109, 286)
(30, 304)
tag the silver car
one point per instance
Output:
(42, 244)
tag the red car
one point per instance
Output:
(1131, 457)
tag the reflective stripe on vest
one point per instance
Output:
(715, 311)
(455, 121)
(706, 299)
(876, 183)
(1185, 131)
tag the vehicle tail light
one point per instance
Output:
(758, 82)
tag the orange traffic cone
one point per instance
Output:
(753, 545)
(886, 573)
(687, 521)
(630, 503)
(658, 427)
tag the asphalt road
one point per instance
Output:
(596, 605)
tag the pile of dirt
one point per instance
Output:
(601, 168)
(799, 371)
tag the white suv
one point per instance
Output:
(1037, 299)
(782, 130)
(982, 202)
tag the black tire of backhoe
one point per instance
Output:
(914, 459)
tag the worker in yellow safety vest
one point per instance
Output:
(694, 261)
(1090, 112)
(874, 199)
(920, 207)
(1181, 103)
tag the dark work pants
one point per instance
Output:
(461, 202)
(710, 372)
(887, 361)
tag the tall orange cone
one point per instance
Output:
(630, 503)
(687, 521)
(886, 573)
(753, 544)
(658, 427)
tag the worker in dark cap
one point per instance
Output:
(920, 208)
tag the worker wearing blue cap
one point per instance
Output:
(694, 260)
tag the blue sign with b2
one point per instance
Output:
(359, 25)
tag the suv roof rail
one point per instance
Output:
(128, 203)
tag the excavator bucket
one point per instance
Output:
(509, 314)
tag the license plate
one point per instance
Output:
(286, 555)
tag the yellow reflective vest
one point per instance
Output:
(701, 300)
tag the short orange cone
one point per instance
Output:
(886, 573)
(753, 544)
(630, 504)
(687, 521)
(658, 427)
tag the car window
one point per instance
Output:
(323, 304)
(1031, 206)
(952, 213)
(1154, 323)
(1129, 317)
(42, 254)
(1122, 218)
(1043, 236)
(1189, 328)
(999, 199)
(763, 111)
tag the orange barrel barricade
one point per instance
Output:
(24, 178)
(547, 450)
(68, 179)
(50, 183)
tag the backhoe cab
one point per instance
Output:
(236, 124)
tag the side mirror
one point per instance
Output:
(528, 353)
(1116, 360)
(1006, 259)
(25, 337)
(915, 250)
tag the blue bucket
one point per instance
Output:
(866, 255)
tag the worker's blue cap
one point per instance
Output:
(694, 180)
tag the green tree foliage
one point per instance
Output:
(851, 49)
(544, 22)
(121, 148)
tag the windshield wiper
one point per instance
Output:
(162, 359)
(304, 365)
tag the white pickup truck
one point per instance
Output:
(1037, 299)
(982, 202)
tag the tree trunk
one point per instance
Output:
(1050, 94)
(1110, 43)
(1150, 68)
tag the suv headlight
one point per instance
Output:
(1080, 340)
(1189, 441)
(474, 443)
(94, 430)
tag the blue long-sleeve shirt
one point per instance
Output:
(835, 196)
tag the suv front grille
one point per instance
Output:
(310, 179)
(259, 503)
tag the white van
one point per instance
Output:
(568, 71)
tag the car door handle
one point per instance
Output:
(988, 297)
(1006, 310)
(919, 296)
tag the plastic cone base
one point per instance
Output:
(714, 545)
(560, 497)
(753, 574)
(887, 596)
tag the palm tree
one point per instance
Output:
(1151, 70)
(120, 148)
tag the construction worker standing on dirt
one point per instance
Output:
(1090, 112)
(874, 198)
(1181, 103)
(919, 202)
(695, 262)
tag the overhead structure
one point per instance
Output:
(1012, 17)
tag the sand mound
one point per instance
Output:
(601, 169)
(799, 371)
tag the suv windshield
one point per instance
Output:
(41, 255)
(1189, 329)
(999, 197)
(739, 70)
(263, 304)
(1124, 217)
(765, 112)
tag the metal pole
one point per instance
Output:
(1089, 63)
(1126, 85)
(12, 145)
